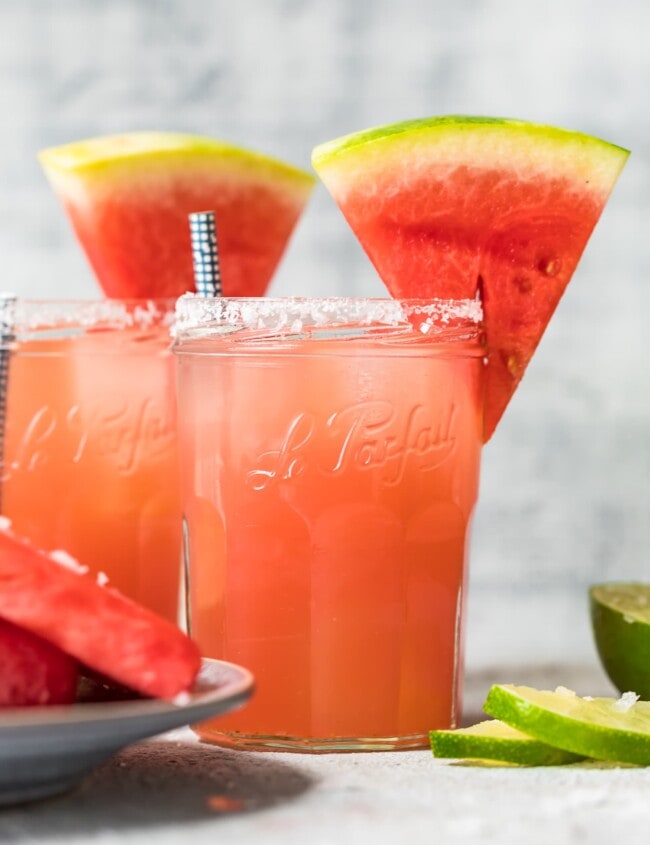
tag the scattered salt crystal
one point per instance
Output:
(564, 691)
(628, 619)
(182, 699)
(64, 559)
(5, 523)
(587, 698)
(626, 702)
(102, 579)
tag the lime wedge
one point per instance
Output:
(602, 728)
(620, 617)
(493, 740)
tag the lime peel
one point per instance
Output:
(494, 740)
(602, 728)
(620, 617)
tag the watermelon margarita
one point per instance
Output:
(90, 456)
(330, 458)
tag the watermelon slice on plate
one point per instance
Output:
(458, 207)
(128, 198)
(33, 671)
(96, 625)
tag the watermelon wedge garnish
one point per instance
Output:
(455, 207)
(128, 198)
(96, 625)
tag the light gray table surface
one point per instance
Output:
(175, 789)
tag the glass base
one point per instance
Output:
(312, 745)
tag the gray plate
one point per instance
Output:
(47, 750)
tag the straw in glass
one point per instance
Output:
(207, 280)
(205, 253)
(7, 308)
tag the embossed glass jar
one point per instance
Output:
(90, 461)
(330, 455)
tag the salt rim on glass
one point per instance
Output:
(31, 315)
(286, 315)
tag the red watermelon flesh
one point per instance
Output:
(94, 624)
(33, 671)
(462, 207)
(129, 196)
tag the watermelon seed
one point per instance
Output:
(548, 266)
(512, 363)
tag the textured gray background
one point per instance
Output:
(565, 494)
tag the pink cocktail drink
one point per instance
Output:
(330, 459)
(90, 448)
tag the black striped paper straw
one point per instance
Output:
(205, 253)
(7, 336)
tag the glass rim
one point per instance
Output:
(21, 315)
(290, 313)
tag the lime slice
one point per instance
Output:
(493, 740)
(602, 728)
(620, 616)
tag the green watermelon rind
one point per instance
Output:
(327, 152)
(103, 153)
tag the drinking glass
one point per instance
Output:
(89, 452)
(330, 456)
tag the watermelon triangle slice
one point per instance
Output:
(128, 198)
(455, 207)
(96, 625)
